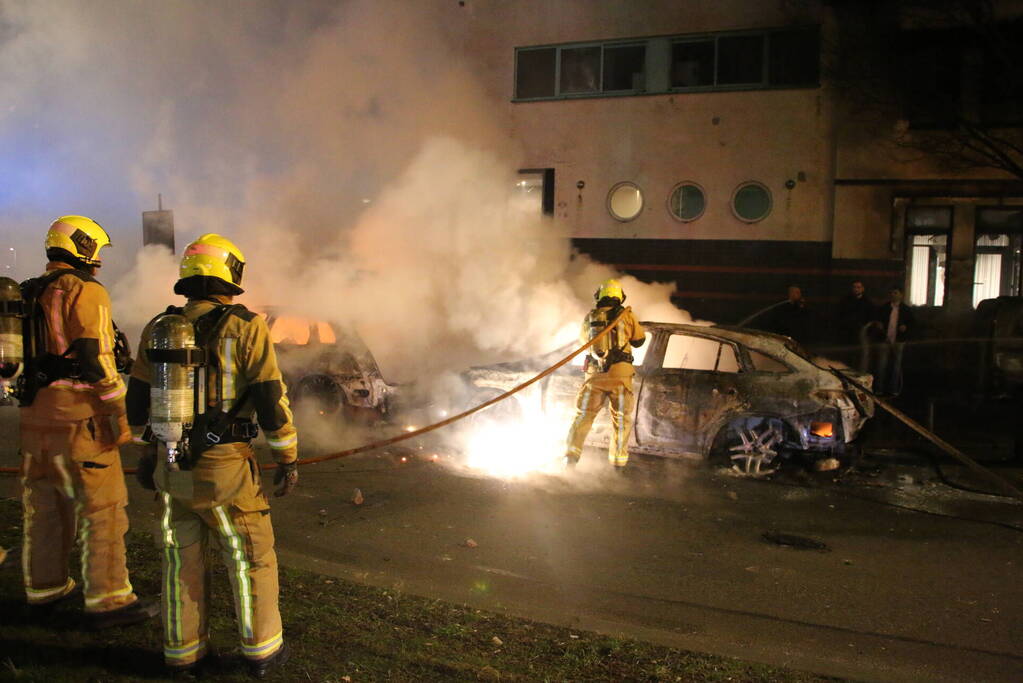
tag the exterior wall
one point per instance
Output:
(717, 140)
(841, 219)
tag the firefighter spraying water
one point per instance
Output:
(609, 374)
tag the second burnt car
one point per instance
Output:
(327, 369)
(740, 394)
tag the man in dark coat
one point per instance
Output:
(896, 322)
(855, 313)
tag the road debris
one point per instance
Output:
(793, 541)
(357, 498)
(469, 543)
(323, 517)
(826, 465)
(497, 641)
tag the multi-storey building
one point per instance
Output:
(724, 145)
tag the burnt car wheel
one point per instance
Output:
(750, 445)
(321, 394)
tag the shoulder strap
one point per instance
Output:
(209, 325)
(33, 288)
(207, 329)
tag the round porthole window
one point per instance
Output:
(751, 202)
(625, 201)
(686, 202)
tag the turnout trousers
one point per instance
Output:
(597, 390)
(72, 485)
(217, 505)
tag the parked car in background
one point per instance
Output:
(740, 394)
(327, 369)
(998, 328)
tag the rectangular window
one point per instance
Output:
(535, 187)
(927, 234)
(928, 68)
(534, 73)
(926, 265)
(624, 68)
(685, 352)
(998, 250)
(928, 218)
(793, 57)
(783, 58)
(740, 60)
(692, 64)
(580, 70)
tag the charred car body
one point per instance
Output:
(328, 369)
(747, 395)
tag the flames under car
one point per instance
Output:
(736, 393)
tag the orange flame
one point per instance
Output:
(824, 429)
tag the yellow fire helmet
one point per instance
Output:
(610, 288)
(213, 256)
(79, 236)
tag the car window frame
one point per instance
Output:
(748, 361)
(663, 347)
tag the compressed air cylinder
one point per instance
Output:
(172, 393)
(12, 353)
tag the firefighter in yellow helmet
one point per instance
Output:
(609, 374)
(72, 421)
(216, 495)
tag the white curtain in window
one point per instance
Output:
(918, 267)
(939, 284)
(987, 277)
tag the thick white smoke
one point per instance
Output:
(345, 146)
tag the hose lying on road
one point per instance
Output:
(935, 439)
(429, 428)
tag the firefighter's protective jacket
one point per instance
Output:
(78, 318)
(629, 333)
(243, 363)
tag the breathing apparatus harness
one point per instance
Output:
(41, 368)
(179, 415)
(609, 349)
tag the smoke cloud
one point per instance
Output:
(344, 146)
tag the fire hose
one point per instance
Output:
(936, 440)
(429, 428)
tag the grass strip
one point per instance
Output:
(338, 631)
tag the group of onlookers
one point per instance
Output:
(879, 331)
(875, 333)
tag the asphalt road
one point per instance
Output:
(917, 581)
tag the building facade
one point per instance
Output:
(707, 143)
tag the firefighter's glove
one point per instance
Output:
(286, 476)
(123, 430)
(145, 468)
(118, 416)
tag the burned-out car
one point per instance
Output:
(327, 369)
(741, 394)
